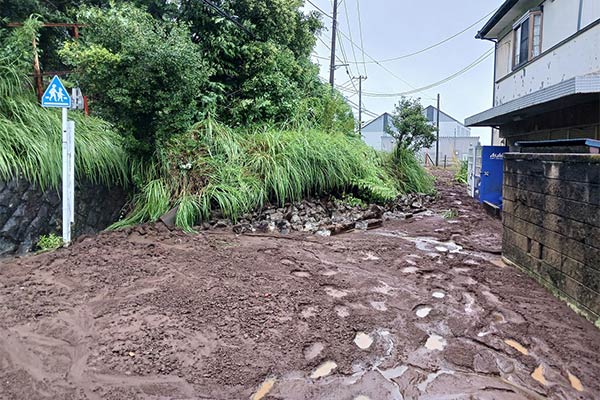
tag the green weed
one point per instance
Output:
(49, 242)
(410, 174)
(462, 174)
(450, 214)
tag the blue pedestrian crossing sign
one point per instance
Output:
(56, 95)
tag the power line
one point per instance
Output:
(383, 66)
(423, 50)
(440, 42)
(362, 44)
(230, 17)
(478, 61)
(350, 33)
(355, 106)
(319, 9)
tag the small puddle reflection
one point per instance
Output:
(370, 257)
(313, 350)
(363, 341)
(538, 375)
(333, 292)
(427, 243)
(379, 305)
(438, 294)
(323, 370)
(575, 382)
(424, 243)
(435, 342)
(410, 270)
(264, 389)
(423, 311)
(432, 377)
(517, 346)
(394, 372)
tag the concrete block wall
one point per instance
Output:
(26, 212)
(551, 217)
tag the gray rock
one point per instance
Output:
(323, 232)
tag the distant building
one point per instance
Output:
(374, 133)
(455, 138)
(449, 127)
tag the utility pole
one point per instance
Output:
(333, 41)
(437, 145)
(360, 79)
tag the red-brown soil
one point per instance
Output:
(146, 313)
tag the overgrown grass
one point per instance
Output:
(30, 139)
(214, 167)
(461, 175)
(410, 174)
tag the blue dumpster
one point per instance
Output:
(492, 171)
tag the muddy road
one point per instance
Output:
(418, 309)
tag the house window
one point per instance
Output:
(527, 38)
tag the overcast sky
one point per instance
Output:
(393, 28)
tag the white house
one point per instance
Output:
(547, 70)
(455, 138)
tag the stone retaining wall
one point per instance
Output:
(551, 217)
(26, 212)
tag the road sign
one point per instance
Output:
(56, 95)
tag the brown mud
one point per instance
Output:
(418, 309)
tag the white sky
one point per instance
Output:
(393, 28)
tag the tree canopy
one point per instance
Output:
(410, 127)
(154, 67)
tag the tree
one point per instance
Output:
(144, 75)
(130, 50)
(410, 127)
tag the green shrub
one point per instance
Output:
(49, 242)
(215, 167)
(410, 174)
(462, 174)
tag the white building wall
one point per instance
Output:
(374, 135)
(580, 56)
(452, 149)
(559, 21)
(591, 12)
(504, 51)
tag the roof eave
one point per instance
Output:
(502, 11)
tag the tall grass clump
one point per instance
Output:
(409, 173)
(462, 175)
(213, 167)
(31, 143)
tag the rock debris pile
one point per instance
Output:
(325, 216)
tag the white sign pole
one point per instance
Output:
(71, 151)
(66, 210)
(56, 96)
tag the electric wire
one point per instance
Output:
(362, 43)
(350, 35)
(423, 50)
(319, 9)
(478, 61)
